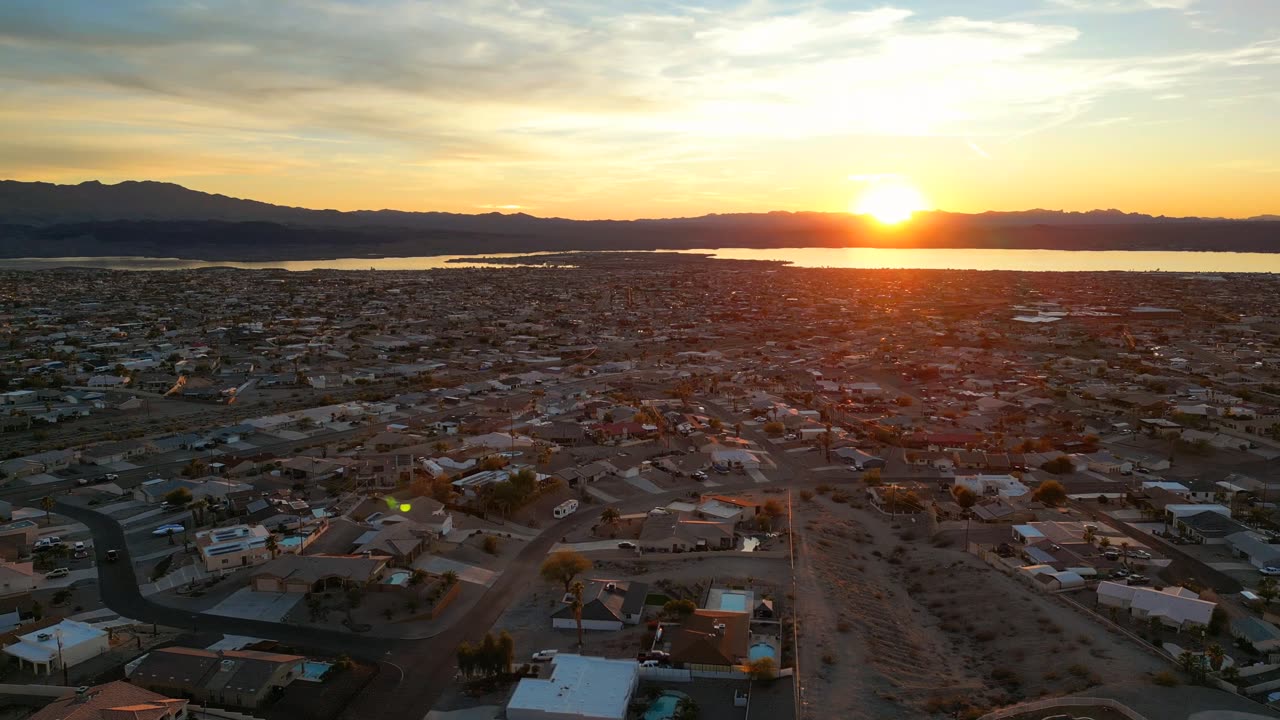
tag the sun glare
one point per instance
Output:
(889, 203)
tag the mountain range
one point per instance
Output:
(168, 220)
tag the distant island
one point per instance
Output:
(157, 219)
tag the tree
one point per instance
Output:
(679, 608)
(871, 477)
(46, 503)
(904, 401)
(273, 545)
(179, 498)
(966, 499)
(610, 516)
(1060, 465)
(1050, 492)
(417, 578)
(576, 606)
(563, 567)
(490, 545)
(449, 578)
(773, 428)
(762, 669)
(826, 439)
(507, 650)
(1230, 673)
(355, 596)
(1216, 656)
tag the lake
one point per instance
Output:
(870, 258)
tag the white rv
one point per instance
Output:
(565, 509)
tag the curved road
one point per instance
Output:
(421, 668)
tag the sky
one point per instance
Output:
(635, 108)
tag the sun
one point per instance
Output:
(890, 203)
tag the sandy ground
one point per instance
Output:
(892, 627)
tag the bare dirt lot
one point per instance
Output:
(893, 627)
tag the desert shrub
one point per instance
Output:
(1165, 678)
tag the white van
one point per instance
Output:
(565, 509)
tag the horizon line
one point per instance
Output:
(520, 212)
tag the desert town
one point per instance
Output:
(635, 486)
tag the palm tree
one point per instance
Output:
(576, 605)
(966, 499)
(46, 503)
(610, 516)
(826, 439)
(1216, 656)
(273, 545)
(449, 577)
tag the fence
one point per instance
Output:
(662, 674)
(1063, 703)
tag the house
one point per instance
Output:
(425, 513)
(1175, 607)
(606, 605)
(1204, 523)
(117, 700)
(401, 543)
(230, 548)
(154, 491)
(1254, 548)
(666, 532)
(579, 688)
(16, 578)
(744, 459)
(1005, 486)
(713, 640)
(727, 509)
(45, 462)
(68, 642)
(113, 452)
(235, 678)
(1262, 635)
(316, 573)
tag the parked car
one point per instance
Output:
(544, 655)
(761, 418)
(57, 573)
(699, 476)
(1269, 570)
(651, 663)
(1138, 580)
(1140, 554)
(790, 436)
(47, 543)
(113, 555)
(79, 546)
(1111, 555)
(1121, 573)
(167, 530)
(81, 554)
(626, 545)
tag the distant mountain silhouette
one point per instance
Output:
(164, 219)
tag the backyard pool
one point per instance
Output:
(733, 602)
(398, 578)
(664, 708)
(313, 670)
(293, 541)
(761, 650)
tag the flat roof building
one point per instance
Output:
(580, 688)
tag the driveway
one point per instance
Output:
(644, 484)
(245, 603)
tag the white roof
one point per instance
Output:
(1109, 589)
(31, 648)
(1176, 608)
(1173, 487)
(1185, 509)
(1027, 531)
(588, 687)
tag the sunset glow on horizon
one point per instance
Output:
(655, 109)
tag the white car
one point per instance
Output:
(78, 547)
(761, 418)
(1140, 554)
(46, 543)
(544, 655)
(790, 436)
(1269, 570)
(57, 573)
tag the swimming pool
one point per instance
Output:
(293, 541)
(398, 578)
(313, 670)
(761, 650)
(664, 708)
(733, 602)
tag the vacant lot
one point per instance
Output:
(892, 627)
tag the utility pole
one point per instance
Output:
(65, 680)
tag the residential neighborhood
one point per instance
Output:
(633, 486)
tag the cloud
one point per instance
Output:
(977, 149)
(1122, 6)
(427, 86)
